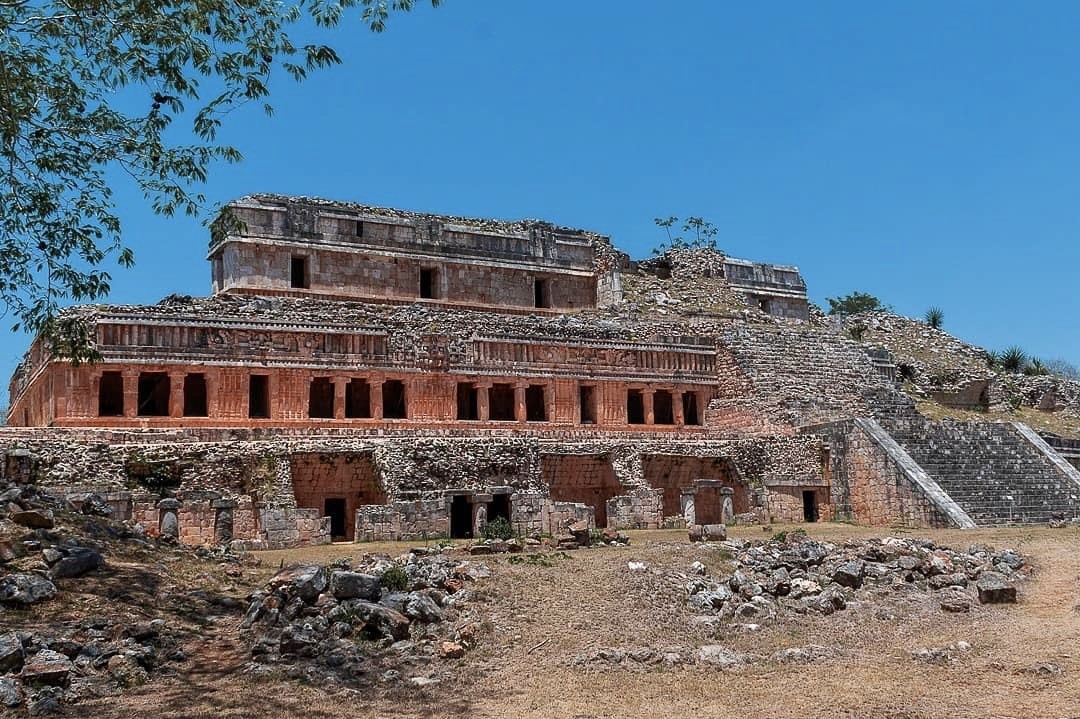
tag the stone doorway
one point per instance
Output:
(499, 507)
(461, 517)
(351, 478)
(334, 508)
(809, 505)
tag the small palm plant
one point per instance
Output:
(934, 317)
(1013, 359)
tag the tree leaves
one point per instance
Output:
(68, 71)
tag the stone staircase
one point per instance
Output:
(998, 472)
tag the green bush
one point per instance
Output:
(854, 303)
(498, 528)
(934, 317)
(395, 579)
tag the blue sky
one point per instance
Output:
(928, 153)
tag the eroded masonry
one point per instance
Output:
(361, 373)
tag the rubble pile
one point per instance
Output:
(794, 575)
(50, 545)
(346, 622)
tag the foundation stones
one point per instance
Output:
(47, 667)
(25, 589)
(75, 562)
(353, 585)
(33, 518)
(850, 574)
(305, 581)
(994, 588)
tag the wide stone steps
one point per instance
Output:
(990, 469)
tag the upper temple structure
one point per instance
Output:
(364, 373)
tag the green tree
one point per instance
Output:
(935, 317)
(90, 87)
(704, 234)
(854, 303)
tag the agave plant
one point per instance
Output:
(993, 359)
(1036, 367)
(1013, 359)
(934, 317)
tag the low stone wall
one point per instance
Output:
(638, 509)
(417, 519)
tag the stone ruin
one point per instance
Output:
(361, 373)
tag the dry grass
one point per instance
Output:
(1057, 422)
(541, 617)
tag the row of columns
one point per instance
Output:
(130, 378)
(648, 397)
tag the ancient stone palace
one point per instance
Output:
(363, 373)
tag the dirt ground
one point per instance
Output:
(541, 617)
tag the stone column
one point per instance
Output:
(727, 506)
(677, 407)
(375, 384)
(483, 407)
(223, 519)
(131, 392)
(480, 513)
(647, 397)
(339, 396)
(686, 504)
(213, 406)
(169, 522)
(519, 402)
(176, 394)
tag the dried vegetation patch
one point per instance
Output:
(897, 654)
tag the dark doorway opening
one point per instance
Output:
(460, 517)
(535, 406)
(153, 394)
(259, 396)
(357, 399)
(321, 398)
(467, 408)
(663, 409)
(809, 505)
(541, 292)
(298, 273)
(635, 407)
(393, 393)
(429, 279)
(587, 403)
(334, 508)
(111, 395)
(195, 395)
(501, 403)
(499, 507)
(691, 414)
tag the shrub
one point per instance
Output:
(857, 332)
(395, 579)
(1013, 359)
(993, 359)
(1036, 367)
(934, 317)
(498, 528)
(853, 303)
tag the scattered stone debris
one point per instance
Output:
(795, 575)
(941, 655)
(336, 623)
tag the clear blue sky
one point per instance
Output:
(926, 152)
